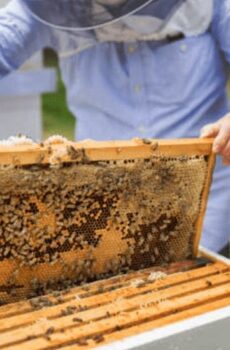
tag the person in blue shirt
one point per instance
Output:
(149, 69)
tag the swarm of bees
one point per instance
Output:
(110, 216)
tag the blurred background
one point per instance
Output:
(33, 100)
(56, 119)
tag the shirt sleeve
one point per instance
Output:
(221, 26)
(21, 35)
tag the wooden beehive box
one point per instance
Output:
(167, 286)
(86, 211)
(115, 310)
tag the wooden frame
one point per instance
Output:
(110, 150)
(116, 309)
(118, 150)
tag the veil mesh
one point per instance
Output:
(91, 14)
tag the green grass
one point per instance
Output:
(56, 117)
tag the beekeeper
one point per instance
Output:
(155, 68)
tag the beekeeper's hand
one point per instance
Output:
(221, 132)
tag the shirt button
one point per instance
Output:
(131, 49)
(183, 48)
(141, 129)
(137, 88)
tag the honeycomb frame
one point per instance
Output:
(106, 168)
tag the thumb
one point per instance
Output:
(210, 130)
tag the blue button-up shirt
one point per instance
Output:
(145, 89)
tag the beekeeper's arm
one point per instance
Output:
(221, 32)
(20, 37)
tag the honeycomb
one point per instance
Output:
(75, 222)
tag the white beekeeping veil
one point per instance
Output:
(94, 14)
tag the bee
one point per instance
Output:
(40, 158)
(163, 237)
(13, 293)
(50, 330)
(98, 338)
(100, 289)
(6, 251)
(147, 141)
(49, 150)
(167, 258)
(32, 262)
(173, 234)
(73, 153)
(209, 283)
(60, 300)
(150, 237)
(30, 337)
(156, 251)
(82, 342)
(154, 146)
(77, 319)
(141, 241)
